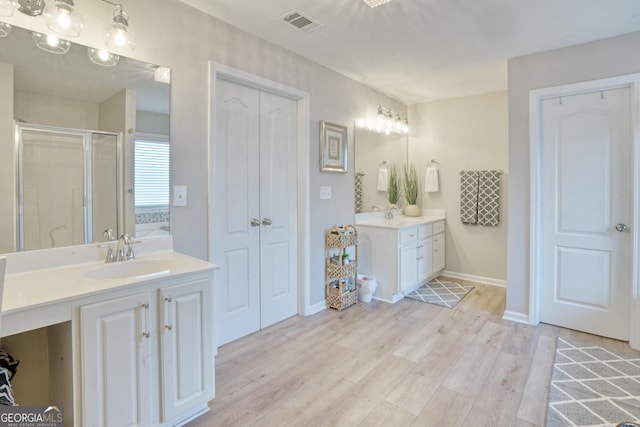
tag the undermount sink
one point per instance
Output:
(135, 268)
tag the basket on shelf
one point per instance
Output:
(341, 272)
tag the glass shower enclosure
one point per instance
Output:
(67, 186)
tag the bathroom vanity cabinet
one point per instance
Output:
(130, 343)
(401, 253)
(125, 339)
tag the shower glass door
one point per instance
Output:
(67, 181)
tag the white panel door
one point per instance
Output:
(116, 361)
(186, 356)
(254, 209)
(236, 202)
(278, 233)
(586, 155)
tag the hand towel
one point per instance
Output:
(489, 198)
(469, 197)
(383, 178)
(431, 180)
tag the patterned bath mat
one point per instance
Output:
(592, 386)
(440, 292)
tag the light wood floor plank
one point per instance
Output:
(386, 415)
(379, 364)
(532, 409)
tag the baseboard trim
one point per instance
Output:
(472, 278)
(516, 317)
(316, 308)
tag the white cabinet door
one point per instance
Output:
(438, 252)
(117, 361)
(408, 267)
(424, 260)
(186, 340)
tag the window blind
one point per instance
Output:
(151, 173)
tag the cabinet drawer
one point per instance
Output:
(438, 227)
(424, 231)
(408, 235)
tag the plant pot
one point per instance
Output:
(412, 210)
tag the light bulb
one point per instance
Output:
(102, 57)
(50, 43)
(63, 19)
(5, 29)
(119, 37)
(7, 7)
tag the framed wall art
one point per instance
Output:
(333, 147)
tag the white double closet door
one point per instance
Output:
(587, 213)
(254, 209)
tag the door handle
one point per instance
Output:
(255, 222)
(621, 227)
(266, 221)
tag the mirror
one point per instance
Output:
(121, 183)
(372, 149)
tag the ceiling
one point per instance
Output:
(423, 50)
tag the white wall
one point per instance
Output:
(199, 38)
(40, 109)
(604, 58)
(464, 133)
(7, 183)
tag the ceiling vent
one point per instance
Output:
(300, 21)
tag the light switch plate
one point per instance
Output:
(179, 195)
(325, 193)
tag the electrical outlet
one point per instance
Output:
(325, 193)
(179, 195)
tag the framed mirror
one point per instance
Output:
(84, 145)
(374, 152)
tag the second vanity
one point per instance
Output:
(402, 253)
(130, 343)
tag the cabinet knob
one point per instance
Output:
(266, 221)
(255, 222)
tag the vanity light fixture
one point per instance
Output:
(51, 43)
(7, 7)
(375, 3)
(120, 38)
(386, 121)
(5, 29)
(31, 7)
(63, 19)
(102, 57)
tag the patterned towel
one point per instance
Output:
(489, 198)
(469, 197)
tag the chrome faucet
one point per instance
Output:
(388, 214)
(124, 249)
(126, 240)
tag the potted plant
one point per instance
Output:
(411, 185)
(393, 189)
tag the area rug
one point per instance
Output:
(440, 292)
(593, 386)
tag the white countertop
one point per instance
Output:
(31, 289)
(40, 287)
(377, 219)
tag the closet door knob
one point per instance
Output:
(255, 222)
(266, 221)
(621, 227)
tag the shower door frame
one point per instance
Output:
(87, 149)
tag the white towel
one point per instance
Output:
(383, 178)
(431, 180)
